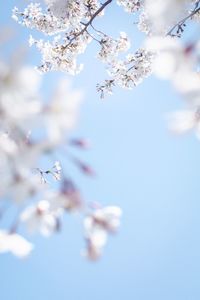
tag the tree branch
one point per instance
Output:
(182, 22)
(86, 25)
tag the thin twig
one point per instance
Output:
(92, 36)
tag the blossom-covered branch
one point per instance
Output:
(86, 25)
(70, 23)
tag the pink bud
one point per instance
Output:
(81, 143)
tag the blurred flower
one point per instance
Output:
(14, 243)
(184, 121)
(98, 225)
(38, 218)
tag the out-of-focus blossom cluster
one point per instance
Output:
(32, 133)
(175, 59)
(69, 27)
(178, 63)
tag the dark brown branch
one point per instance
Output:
(182, 22)
(86, 25)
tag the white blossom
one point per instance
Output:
(131, 6)
(184, 121)
(14, 243)
(38, 218)
(97, 226)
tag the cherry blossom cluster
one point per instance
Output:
(129, 72)
(178, 63)
(35, 185)
(131, 6)
(67, 21)
(72, 25)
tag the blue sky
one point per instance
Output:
(151, 174)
